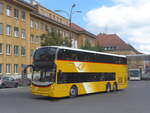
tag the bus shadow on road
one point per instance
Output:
(80, 96)
(41, 98)
(53, 99)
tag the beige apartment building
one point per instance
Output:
(22, 24)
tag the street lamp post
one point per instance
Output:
(69, 14)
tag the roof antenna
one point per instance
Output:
(106, 29)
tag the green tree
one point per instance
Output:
(54, 38)
(88, 46)
(98, 48)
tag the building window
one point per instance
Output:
(60, 20)
(42, 27)
(16, 13)
(46, 27)
(36, 25)
(23, 51)
(66, 34)
(23, 66)
(37, 40)
(114, 47)
(8, 49)
(49, 29)
(8, 11)
(16, 50)
(31, 23)
(1, 8)
(16, 31)
(23, 33)
(31, 52)
(63, 34)
(105, 48)
(54, 17)
(1, 48)
(31, 37)
(50, 15)
(8, 68)
(1, 28)
(74, 43)
(8, 29)
(66, 23)
(1, 68)
(16, 67)
(23, 15)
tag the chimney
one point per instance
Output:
(33, 2)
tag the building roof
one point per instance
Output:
(24, 4)
(76, 27)
(81, 30)
(113, 40)
(39, 5)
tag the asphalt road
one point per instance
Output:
(134, 99)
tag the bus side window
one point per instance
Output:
(81, 56)
(63, 54)
(86, 57)
(60, 54)
(68, 55)
(74, 57)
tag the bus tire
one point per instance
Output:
(108, 87)
(3, 86)
(115, 87)
(16, 85)
(73, 91)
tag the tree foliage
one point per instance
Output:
(88, 46)
(53, 38)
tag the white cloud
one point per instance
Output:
(128, 18)
(131, 2)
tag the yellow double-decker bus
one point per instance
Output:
(61, 71)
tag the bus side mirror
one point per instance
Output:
(24, 71)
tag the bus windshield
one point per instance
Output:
(43, 75)
(134, 73)
(44, 65)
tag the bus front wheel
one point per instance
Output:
(73, 91)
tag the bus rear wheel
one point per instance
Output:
(115, 87)
(73, 91)
(108, 87)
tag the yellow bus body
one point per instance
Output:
(63, 90)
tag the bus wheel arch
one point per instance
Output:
(108, 87)
(73, 91)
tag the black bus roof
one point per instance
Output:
(82, 50)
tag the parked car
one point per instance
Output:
(8, 82)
